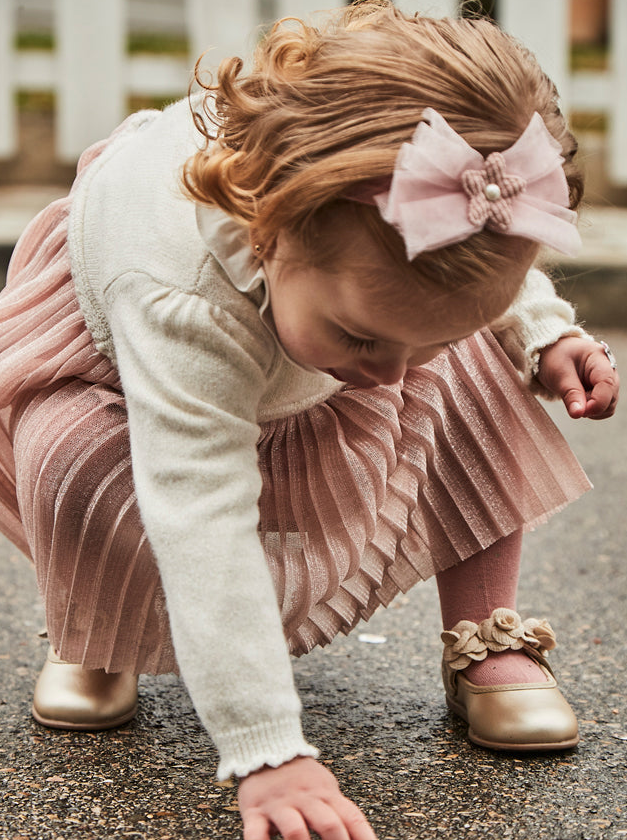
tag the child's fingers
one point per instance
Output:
(295, 797)
(595, 397)
(290, 825)
(573, 394)
(601, 402)
(256, 826)
(583, 374)
(355, 821)
(340, 821)
(603, 393)
(325, 821)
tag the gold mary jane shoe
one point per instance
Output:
(521, 716)
(71, 697)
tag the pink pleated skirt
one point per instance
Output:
(362, 495)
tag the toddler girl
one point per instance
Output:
(255, 381)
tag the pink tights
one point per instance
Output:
(471, 590)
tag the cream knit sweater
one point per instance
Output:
(172, 296)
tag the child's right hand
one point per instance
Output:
(299, 796)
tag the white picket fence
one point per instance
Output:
(92, 75)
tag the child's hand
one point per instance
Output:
(295, 798)
(579, 371)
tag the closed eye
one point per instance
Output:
(358, 344)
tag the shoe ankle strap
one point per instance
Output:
(503, 630)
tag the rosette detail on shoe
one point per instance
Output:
(503, 630)
(539, 635)
(463, 644)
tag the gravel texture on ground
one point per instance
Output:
(375, 709)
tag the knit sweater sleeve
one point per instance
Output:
(536, 319)
(192, 379)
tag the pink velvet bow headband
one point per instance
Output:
(443, 191)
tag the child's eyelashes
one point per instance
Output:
(358, 344)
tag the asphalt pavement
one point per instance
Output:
(373, 701)
(374, 706)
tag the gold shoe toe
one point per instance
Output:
(526, 716)
(71, 697)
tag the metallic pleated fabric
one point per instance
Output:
(362, 495)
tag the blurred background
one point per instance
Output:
(71, 70)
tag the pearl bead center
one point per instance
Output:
(492, 192)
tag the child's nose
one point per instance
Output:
(385, 371)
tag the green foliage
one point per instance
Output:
(137, 42)
(41, 101)
(34, 41)
(580, 121)
(588, 57)
(142, 42)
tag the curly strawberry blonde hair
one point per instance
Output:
(325, 109)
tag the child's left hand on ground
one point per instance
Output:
(579, 372)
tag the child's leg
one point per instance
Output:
(10, 522)
(95, 570)
(472, 590)
(531, 714)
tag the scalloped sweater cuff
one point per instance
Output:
(242, 751)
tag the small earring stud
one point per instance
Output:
(257, 249)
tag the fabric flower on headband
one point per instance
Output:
(443, 191)
(490, 190)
